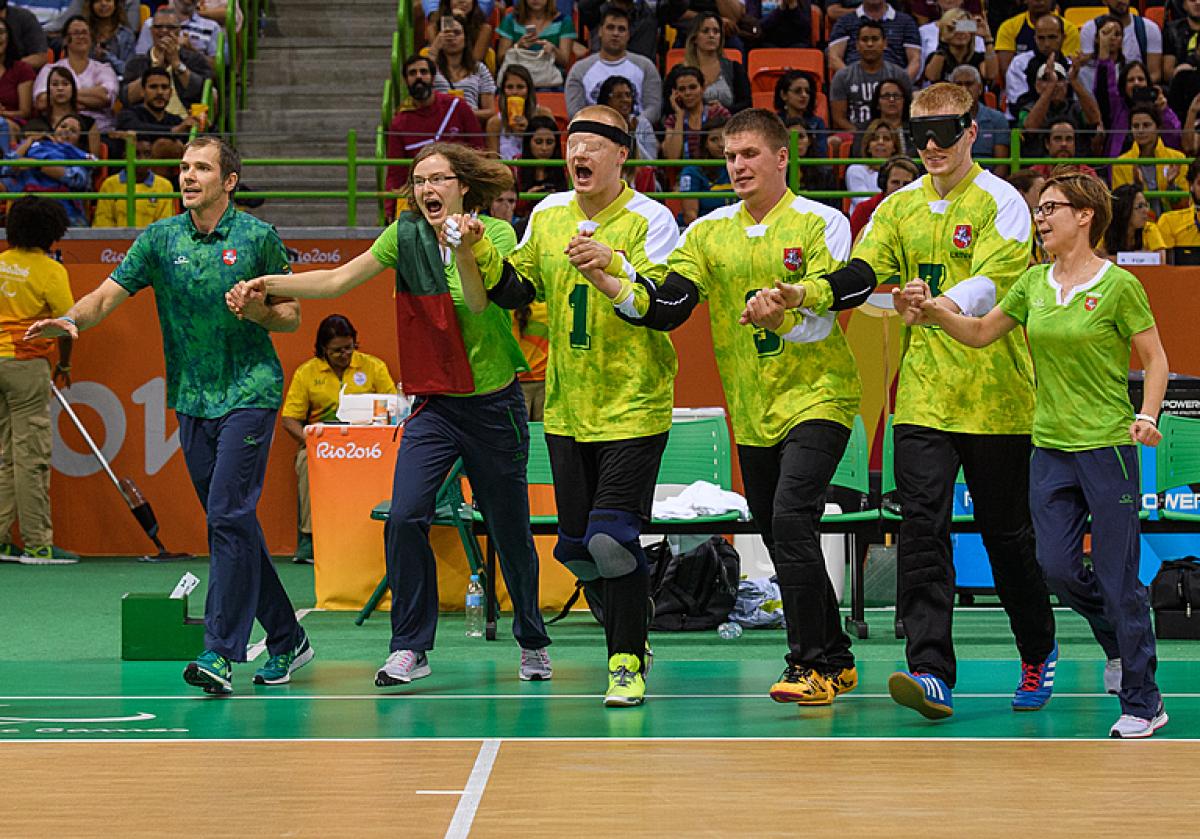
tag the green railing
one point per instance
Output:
(394, 92)
(234, 52)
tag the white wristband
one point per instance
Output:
(1146, 418)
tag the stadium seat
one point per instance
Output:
(1079, 15)
(556, 101)
(818, 34)
(1156, 14)
(1178, 461)
(768, 64)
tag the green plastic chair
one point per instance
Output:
(853, 472)
(1178, 460)
(888, 478)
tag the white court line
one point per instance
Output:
(464, 813)
(256, 649)
(523, 697)
(179, 741)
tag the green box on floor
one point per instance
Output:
(155, 627)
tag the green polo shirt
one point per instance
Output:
(215, 362)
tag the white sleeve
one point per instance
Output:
(975, 296)
(1087, 38)
(812, 328)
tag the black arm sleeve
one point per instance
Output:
(670, 303)
(513, 291)
(851, 285)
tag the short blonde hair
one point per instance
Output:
(602, 113)
(1084, 191)
(942, 96)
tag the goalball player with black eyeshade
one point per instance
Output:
(609, 384)
(964, 232)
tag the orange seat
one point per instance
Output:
(768, 64)
(816, 32)
(556, 101)
(1156, 14)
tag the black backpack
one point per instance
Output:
(1176, 586)
(696, 590)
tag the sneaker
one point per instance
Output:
(626, 687)
(304, 549)
(925, 694)
(10, 552)
(535, 665)
(802, 685)
(843, 681)
(1129, 727)
(44, 555)
(279, 668)
(1112, 676)
(648, 658)
(1037, 683)
(402, 667)
(211, 672)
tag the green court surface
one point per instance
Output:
(61, 677)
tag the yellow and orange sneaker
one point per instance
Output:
(844, 681)
(804, 686)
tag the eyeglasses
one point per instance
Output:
(433, 180)
(1047, 208)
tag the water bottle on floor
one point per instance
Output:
(474, 608)
(729, 630)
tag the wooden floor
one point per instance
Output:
(602, 788)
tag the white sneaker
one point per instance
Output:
(535, 665)
(1112, 676)
(1129, 727)
(402, 667)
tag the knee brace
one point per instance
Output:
(571, 552)
(612, 542)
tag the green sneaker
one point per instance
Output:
(211, 672)
(10, 552)
(44, 555)
(626, 687)
(279, 668)
(304, 549)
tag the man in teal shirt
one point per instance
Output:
(225, 383)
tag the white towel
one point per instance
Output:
(701, 499)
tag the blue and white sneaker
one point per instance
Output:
(925, 694)
(1037, 683)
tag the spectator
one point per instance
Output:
(1180, 38)
(931, 32)
(1145, 121)
(896, 173)
(890, 104)
(36, 286)
(1017, 34)
(96, 82)
(956, 47)
(532, 331)
(1131, 228)
(684, 127)
(1189, 140)
(614, 59)
(881, 141)
(426, 117)
(725, 81)
(1181, 228)
(788, 24)
(150, 120)
(1048, 40)
(115, 41)
(312, 397)
(646, 22)
(853, 86)
(544, 36)
(458, 71)
(16, 84)
(198, 33)
(1056, 96)
(993, 139)
(1109, 38)
(1121, 93)
(62, 146)
(479, 31)
(51, 15)
(617, 93)
(796, 99)
(902, 41)
(1060, 142)
(518, 104)
(698, 178)
(1142, 39)
(152, 204)
(26, 33)
(541, 143)
(188, 68)
(812, 178)
(1029, 183)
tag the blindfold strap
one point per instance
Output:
(610, 132)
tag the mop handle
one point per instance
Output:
(87, 438)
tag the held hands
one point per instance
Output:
(461, 230)
(51, 328)
(588, 255)
(914, 302)
(248, 299)
(765, 310)
(1146, 433)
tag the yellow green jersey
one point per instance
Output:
(606, 379)
(970, 246)
(773, 381)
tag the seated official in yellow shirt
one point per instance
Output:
(154, 207)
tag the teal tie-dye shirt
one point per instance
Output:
(215, 362)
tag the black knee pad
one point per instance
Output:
(612, 542)
(572, 553)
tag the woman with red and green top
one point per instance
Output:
(1082, 315)
(460, 360)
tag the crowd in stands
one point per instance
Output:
(79, 79)
(1063, 80)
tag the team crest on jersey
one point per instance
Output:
(962, 236)
(793, 258)
(229, 256)
(1090, 302)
